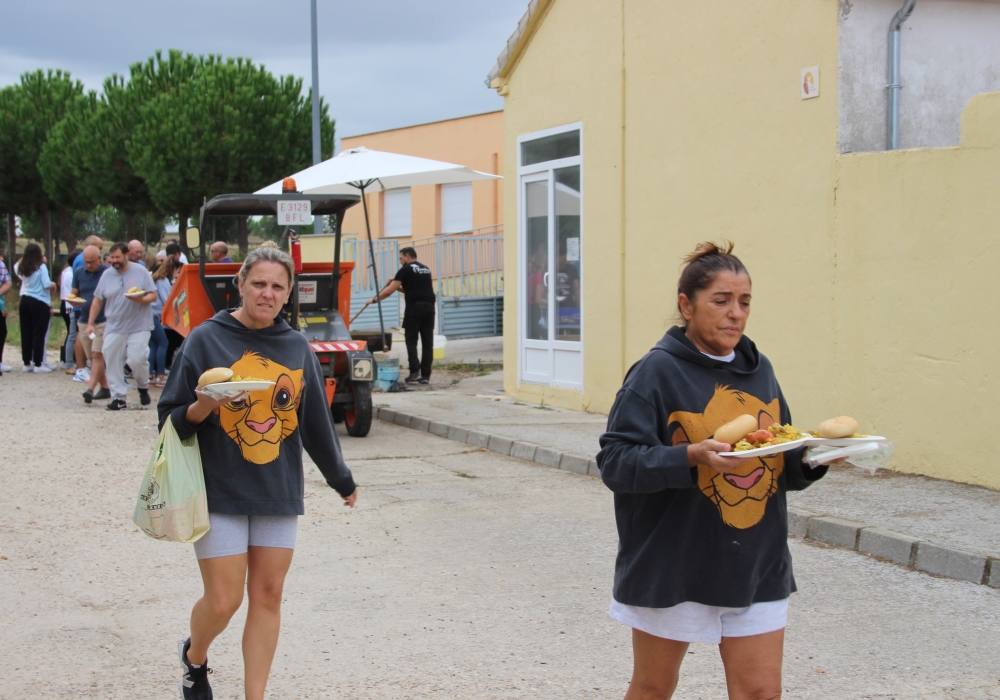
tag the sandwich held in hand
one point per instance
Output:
(215, 375)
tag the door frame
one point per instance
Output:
(545, 172)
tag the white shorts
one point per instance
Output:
(694, 622)
(232, 534)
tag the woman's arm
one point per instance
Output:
(633, 459)
(188, 408)
(318, 435)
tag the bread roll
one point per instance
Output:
(734, 431)
(214, 376)
(839, 427)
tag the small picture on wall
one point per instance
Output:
(809, 82)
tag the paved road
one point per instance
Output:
(462, 574)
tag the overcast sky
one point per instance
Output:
(382, 63)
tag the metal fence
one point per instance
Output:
(465, 265)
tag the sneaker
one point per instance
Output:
(103, 395)
(42, 369)
(28, 368)
(423, 380)
(194, 683)
(412, 378)
(117, 405)
(4, 367)
(88, 396)
(144, 397)
(79, 376)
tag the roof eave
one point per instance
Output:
(518, 41)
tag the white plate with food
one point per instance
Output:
(771, 449)
(230, 389)
(76, 301)
(136, 294)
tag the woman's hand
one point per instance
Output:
(207, 404)
(707, 452)
(349, 501)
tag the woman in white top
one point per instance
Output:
(35, 307)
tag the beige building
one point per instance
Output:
(635, 129)
(419, 212)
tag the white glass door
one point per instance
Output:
(550, 252)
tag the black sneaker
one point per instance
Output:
(413, 378)
(117, 405)
(103, 395)
(194, 683)
(88, 396)
(144, 397)
(423, 380)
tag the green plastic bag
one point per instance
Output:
(172, 504)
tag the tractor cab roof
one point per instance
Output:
(267, 204)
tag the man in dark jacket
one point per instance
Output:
(418, 320)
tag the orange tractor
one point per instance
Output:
(319, 305)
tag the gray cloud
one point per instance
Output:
(383, 63)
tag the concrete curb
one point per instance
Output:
(879, 543)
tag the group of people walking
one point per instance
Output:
(111, 305)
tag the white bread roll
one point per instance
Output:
(736, 429)
(839, 427)
(214, 376)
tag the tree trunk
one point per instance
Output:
(11, 238)
(242, 236)
(182, 224)
(47, 229)
(130, 225)
(66, 232)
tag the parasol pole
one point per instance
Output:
(371, 251)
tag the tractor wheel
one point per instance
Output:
(358, 415)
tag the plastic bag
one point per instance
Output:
(172, 504)
(870, 456)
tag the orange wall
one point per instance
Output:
(475, 141)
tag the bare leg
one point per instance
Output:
(97, 375)
(267, 569)
(753, 665)
(656, 666)
(223, 578)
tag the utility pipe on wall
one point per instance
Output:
(894, 86)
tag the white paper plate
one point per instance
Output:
(770, 449)
(227, 389)
(845, 442)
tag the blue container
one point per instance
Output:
(387, 374)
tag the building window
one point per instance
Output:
(398, 212)
(555, 147)
(456, 207)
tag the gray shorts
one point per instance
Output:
(229, 535)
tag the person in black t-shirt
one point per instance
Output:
(414, 278)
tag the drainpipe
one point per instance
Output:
(894, 86)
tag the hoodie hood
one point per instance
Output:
(675, 342)
(225, 319)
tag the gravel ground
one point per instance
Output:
(461, 574)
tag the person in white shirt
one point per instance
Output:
(67, 312)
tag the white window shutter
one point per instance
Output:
(398, 212)
(456, 207)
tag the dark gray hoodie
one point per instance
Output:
(688, 533)
(252, 452)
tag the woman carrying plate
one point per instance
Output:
(702, 553)
(251, 449)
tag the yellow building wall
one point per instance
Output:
(872, 273)
(915, 326)
(474, 141)
(571, 72)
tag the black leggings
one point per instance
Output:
(34, 317)
(3, 333)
